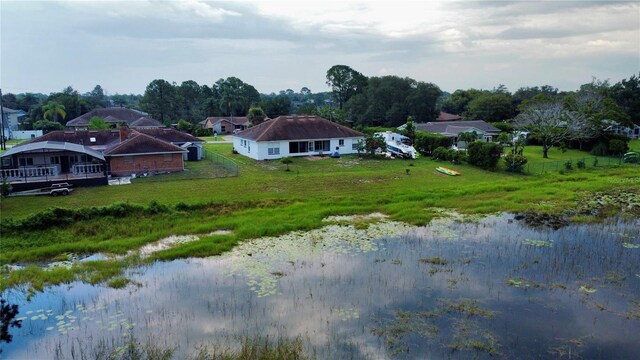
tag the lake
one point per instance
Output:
(458, 288)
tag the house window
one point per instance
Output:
(26, 161)
(323, 145)
(310, 146)
(168, 157)
(223, 128)
(273, 149)
(128, 159)
(341, 142)
(54, 160)
(354, 145)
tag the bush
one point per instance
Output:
(426, 142)
(617, 147)
(440, 153)
(581, 164)
(376, 129)
(202, 132)
(485, 155)
(568, 165)
(601, 149)
(515, 162)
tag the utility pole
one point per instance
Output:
(3, 140)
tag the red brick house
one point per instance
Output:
(225, 124)
(141, 154)
(91, 157)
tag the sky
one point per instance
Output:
(278, 45)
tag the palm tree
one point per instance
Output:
(53, 109)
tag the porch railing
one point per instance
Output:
(28, 172)
(79, 169)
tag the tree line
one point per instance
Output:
(354, 99)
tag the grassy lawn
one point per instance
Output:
(634, 145)
(267, 200)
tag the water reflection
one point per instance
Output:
(498, 289)
(8, 314)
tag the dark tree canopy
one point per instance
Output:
(345, 82)
(627, 94)
(490, 107)
(159, 101)
(389, 100)
(277, 106)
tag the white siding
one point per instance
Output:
(260, 150)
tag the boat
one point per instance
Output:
(398, 145)
(447, 171)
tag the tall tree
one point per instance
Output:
(546, 120)
(236, 96)
(97, 98)
(74, 104)
(190, 101)
(52, 110)
(10, 101)
(490, 107)
(458, 102)
(256, 115)
(345, 82)
(627, 94)
(159, 101)
(279, 105)
(422, 100)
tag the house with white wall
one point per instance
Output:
(11, 121)
(287, 136)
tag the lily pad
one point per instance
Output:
(631, 246)
(588, 289)
(538, 243)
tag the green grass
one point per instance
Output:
(266, 200)
(634, 145)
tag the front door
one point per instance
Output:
(64, 164)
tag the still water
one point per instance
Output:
(487, 288)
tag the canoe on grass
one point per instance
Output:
(447, 171)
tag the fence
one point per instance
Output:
(222, 166)
(570, 164)
(212, 166)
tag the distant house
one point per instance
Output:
(89, 157)
(485, 131)
(443, 116)
(225, 124)
(135, 119)
(11, 121)
(632, 132)
(296, 136)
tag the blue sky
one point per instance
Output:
(275, 45)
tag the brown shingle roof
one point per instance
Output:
(443, 116)
(139, 143)
(81, 137)
(170, 135)
(119, 114)
(146, 122)
(236, 120)
(297, 128)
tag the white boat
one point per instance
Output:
(398, 145)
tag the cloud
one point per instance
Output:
(274, 45)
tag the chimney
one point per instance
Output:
(124, 133)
